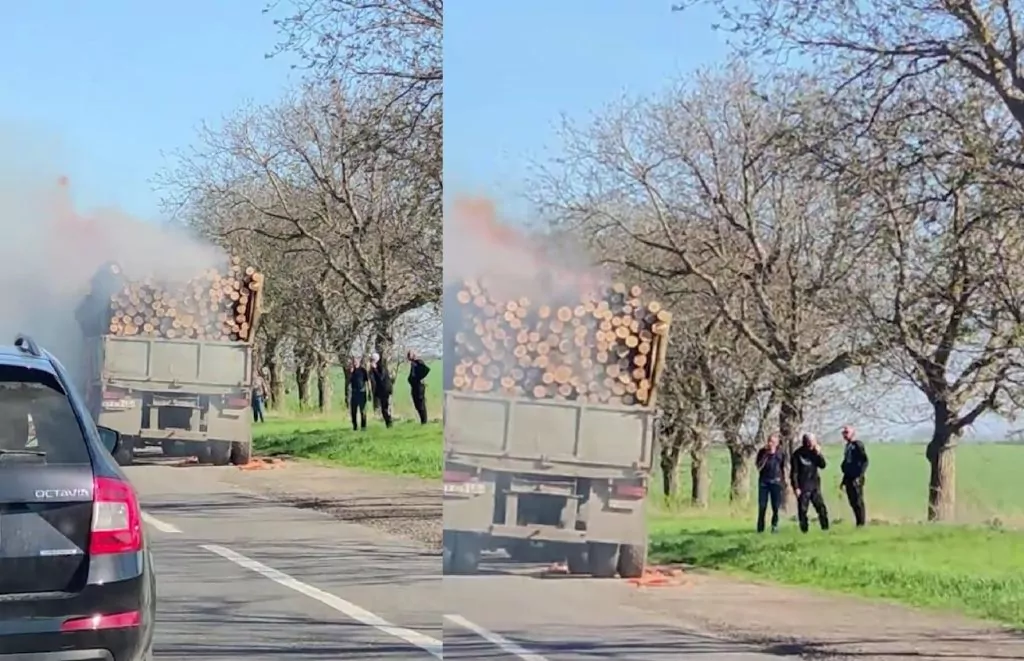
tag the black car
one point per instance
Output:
(76, 577)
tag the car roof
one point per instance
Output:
(12, 356)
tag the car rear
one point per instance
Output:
(75, 581)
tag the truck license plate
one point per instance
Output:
(119, 404)
(465, 488)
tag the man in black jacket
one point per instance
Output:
(771, 466)
(383, 386)
(418, 371)
(854, 466)
(359, 386)
(803, 474)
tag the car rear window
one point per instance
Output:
(36, 416)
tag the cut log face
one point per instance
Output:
(599, 349)
(217, 305)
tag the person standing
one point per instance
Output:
(259, 397)
(854, 467)
(347, 371)
(771, 466)
(359, 384)
(418, 371)
(806, 481)
(383, 386)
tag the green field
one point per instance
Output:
(975, 567)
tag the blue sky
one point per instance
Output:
(512, 68)
(99, 90)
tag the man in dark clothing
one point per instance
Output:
(359, 384)
(854, 466)
(383, 386)
(349, 366)
(771, 465)
(259, 397)
(418, 371)
(803, 474)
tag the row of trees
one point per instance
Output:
(334, 192)
(857, 217)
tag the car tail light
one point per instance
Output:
(116, 518)
(630, 490)
(457, 476)
(125, 620)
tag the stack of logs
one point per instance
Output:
(217, 305)
(600, 348)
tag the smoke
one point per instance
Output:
(508, 263)
(49, 253)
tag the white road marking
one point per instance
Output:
(504, 644)
(162, 526)
(430, 645)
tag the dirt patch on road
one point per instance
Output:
(403, 506)
(795, 622)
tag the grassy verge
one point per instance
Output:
(406, 449)
(976, 571)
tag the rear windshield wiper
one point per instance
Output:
(26, 452)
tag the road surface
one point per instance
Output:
(241, 577)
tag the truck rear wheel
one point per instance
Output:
(603, 559)
(241, 453)
(576, 559)
(125, 454)
(463, 551)
(217, 453)
(632, 560)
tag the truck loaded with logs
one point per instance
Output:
(550, 424)
(172, 364)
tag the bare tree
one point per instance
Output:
(367, 42)
(703, 180)
(874, 48)
(316, 179)
(944, 219)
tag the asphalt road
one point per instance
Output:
(243, 578)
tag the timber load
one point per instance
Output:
(217, 305)
(605, 346)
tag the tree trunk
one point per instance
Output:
(324, 385)
(942, 477)
(303, 376)
(741, 457)
(275, 375)
(791, 417)
(384, 338)
(700, 475)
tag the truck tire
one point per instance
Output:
(464, 553)
(241, 453)
(125, 454)
(576, 560)
(217, 453)
(632, 560)
(603, 559)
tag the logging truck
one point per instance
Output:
(550, 427)
(172, 366)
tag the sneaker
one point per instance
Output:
(775, 530)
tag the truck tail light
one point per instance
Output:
(236, 402)
(114, 393)
(457, 476)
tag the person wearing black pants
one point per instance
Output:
(418, 371)
(381, 382)
(806, 463)
(771, 464)
(854, 467)
(359, 382)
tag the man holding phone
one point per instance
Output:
(771, 464)
(806, 481)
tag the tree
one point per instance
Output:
(318, 179)
(945, 218)
(705, 184)
(873, 49)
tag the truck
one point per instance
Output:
(191, 396)
(569, 478)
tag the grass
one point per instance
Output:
(976, 567)
(408, 448)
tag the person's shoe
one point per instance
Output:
(775, 530)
